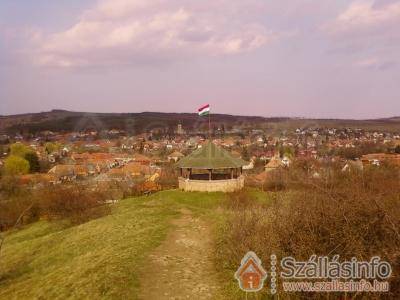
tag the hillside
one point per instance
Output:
(64, 121)
(99, 259)
(67, 121)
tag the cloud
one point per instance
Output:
(366, 16)
(117, 32)
(376, 64)
(367, 29)
(10, 34)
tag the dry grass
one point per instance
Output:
(352, 214)
(99, 259)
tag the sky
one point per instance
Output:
(294, 58)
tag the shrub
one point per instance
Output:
(15, 165)
(349, 214)
(9, 187)
(19, 149)
(168, 177)
(276, 180)
(17, 208)
(33, 160)
(73, 203)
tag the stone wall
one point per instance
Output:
(229, 185)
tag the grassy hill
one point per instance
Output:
(98, 259)
(106, 258)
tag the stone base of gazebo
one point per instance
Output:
(224, 185)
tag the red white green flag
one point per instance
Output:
(204, 110)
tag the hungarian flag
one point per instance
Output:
(204, 110)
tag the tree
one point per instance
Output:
(33, 160)
(3, 149)
(141, 148)
(18, 149)
(163, 152)
(245, 154)
(15, 165)
(26, 153)
(397, 149)
(288, 152)
(52, 147)
(281, 151)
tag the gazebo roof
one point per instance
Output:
(210, 156)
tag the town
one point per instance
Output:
(171, 150)
(145, 162)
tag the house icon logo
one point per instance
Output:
(251, 274)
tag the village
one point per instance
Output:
(171, 150)
(147, 161)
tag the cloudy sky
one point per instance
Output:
(304, 58)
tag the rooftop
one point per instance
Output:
(210, 156)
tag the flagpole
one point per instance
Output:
(209, 125)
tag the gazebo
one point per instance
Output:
(210, 169)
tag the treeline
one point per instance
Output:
(132, 123)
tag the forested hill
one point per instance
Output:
(66, 121)
(62, 120)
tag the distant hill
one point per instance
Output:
(64, 121)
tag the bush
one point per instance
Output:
(73, 203)
(276, 181)
(15, 165)
(349, 214)
(33, 160)
(9, 187)
(17, 208)
(168, 177)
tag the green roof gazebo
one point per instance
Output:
(211, 169)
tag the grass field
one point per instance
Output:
(98, 259)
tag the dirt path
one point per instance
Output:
(181, 267)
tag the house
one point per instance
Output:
(36, 179)
(65, 151)
(136, 169)
(273, 164)
(175, 156)
(81, 170)
(249, 166)
(141, 159)
(377, 158)
(353, 165)
(63, 172)
(83, 157)
(286, 161)
(53, 157)
(251, 274)
(133, 169)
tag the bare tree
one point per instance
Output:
(3, 237)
